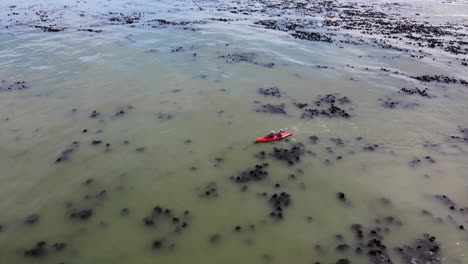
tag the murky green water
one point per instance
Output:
(195, 118)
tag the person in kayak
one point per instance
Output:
(280, 132)
(271, 135)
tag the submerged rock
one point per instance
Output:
(39, 250)
(31, 219)
(256, 174)
(272, 109)
(273, 91)
(15, 86)
(290, 156)
(69, 150)
(279, 202)
(210, 191)
(82, 215)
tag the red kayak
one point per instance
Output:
(276, 137)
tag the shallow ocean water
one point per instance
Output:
(195, 118)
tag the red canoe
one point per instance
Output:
(277, 137)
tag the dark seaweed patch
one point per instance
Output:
(140, 149)
(313, 139)
(124, 211)
(425, 249)
(338, 141)
(278, 203)
(421, 92)
(342, 247)
(370, 147)
(158, 243)
(417, 161)
(463, 137)
(69, 150)
(178, 49)
(327, 107)
(244, 57)
(385, 201)
(160, 214)
(123, 110)
(341, 196)
(300, 105)
(343, 261)
(31, 219)
(96, 142)
(389, 102)
(450, 204)
(439, 78)
(60, 246)
(39, 250)
(121, 19)
(218, 161)
(239, 57)
(98, 196)
(210, 191)
(82, 215)
(90, 30)
(51, 28)
(311, 36)
(291, 155)
(331, 99)
(272, 109)
(95, 114)
(214, 239)
(273, 91)
(164, 117)
(414, 162)
(15, 86)
(255, 174)
(88, 181)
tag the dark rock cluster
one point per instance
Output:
(160, 214)
(421, 92)
(331, 111)
(164, 116)
(327, 107)
(393, 103)
(244, 57)
(122, 19)
(81, 215)
(210, 191)
(450, 204)
(15, 86)
(425, 249)
(257, 173)
(311, 36)
(272, 109)
(278, 203)
(41, 249)
(69, 150)
(439, 78)
(417, 161)
(273, 91)
(289, 155)
(463, 137)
